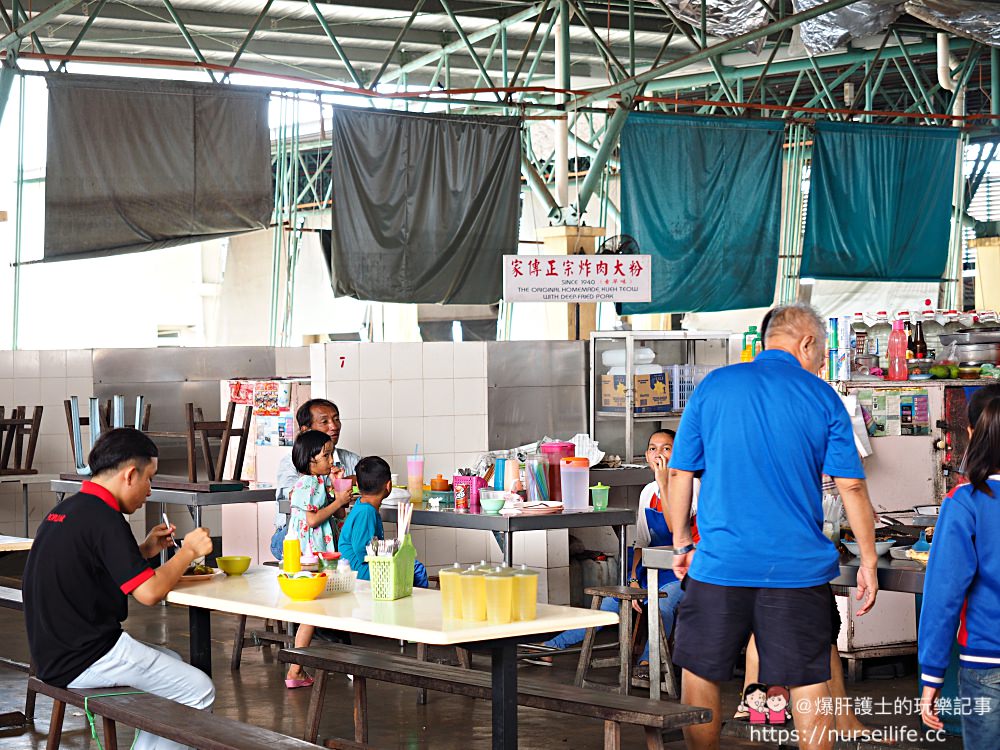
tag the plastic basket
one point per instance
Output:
(341, 583)
(684, 379)
(392, 577)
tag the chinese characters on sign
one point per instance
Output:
(576, 278)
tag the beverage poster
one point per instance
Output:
(897, 412)
(241, 392)
(266, 399)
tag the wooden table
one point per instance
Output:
(415, 618)
(191, 498)
(24, 480)
(504, 526)
(14, 543)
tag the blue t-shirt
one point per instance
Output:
(763, 433)
(363, 522)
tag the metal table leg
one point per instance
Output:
(504, 662)
(200, 625)
(653, 618)
(508, 552)
(196, 512)
(622, 555)
(24, 499)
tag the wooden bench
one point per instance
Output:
(11, 598)
(163, 718)
(614, 710)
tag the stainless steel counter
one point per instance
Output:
(504, 526)
(905, 576)
(192, 499)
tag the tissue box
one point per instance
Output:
(652, 393)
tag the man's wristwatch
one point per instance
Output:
(683, 550)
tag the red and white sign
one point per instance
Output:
(577, 278)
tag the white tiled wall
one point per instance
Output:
(394, 397)
(46, 378)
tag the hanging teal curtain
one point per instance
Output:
(703, 197)
(880, 202)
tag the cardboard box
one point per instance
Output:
(652, 393)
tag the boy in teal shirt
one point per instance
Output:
(364, 522)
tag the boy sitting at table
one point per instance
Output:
(364, 522)
(82, 567)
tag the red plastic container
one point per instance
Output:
(554, 453)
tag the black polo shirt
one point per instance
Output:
(83, 564)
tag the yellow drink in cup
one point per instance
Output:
(451, 592)
(473, 595)
(291, 560)
(525, 593)
(499, 596)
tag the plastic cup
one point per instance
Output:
(415, 478)
(342, 484)
(473, 595)
(599, 496)
(525, 593)
(291, 556)
(451, 592)
(499, 596)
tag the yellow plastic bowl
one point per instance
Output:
(233, 565)
(302, 589)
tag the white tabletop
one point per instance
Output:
(14, 543)
(415, 618)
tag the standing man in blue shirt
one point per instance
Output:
(760, 435)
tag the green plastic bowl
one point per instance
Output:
(233, 565)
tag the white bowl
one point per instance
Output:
(880, 547)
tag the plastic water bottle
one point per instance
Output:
(878, 335)
(932, 328)
(897, 352)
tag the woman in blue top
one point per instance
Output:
(962, 592)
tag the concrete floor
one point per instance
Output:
(256, 694)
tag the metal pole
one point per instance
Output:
(336, 45)
(995, 83)
(597, 164)
(187, 37)
(19, 208)
(632, 84)
(475, 36)
(562, 124)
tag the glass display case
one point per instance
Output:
(641, 380)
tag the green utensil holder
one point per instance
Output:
(392, 577)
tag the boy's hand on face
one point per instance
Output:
(198, 541)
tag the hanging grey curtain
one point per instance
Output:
(424, 206)
(703, 197)
(136, 164)
(880, 201)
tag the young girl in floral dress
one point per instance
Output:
(313, 507)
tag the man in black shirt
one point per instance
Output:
(85, 562)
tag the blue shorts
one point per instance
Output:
(792, 628)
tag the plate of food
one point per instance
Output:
(199, 573)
